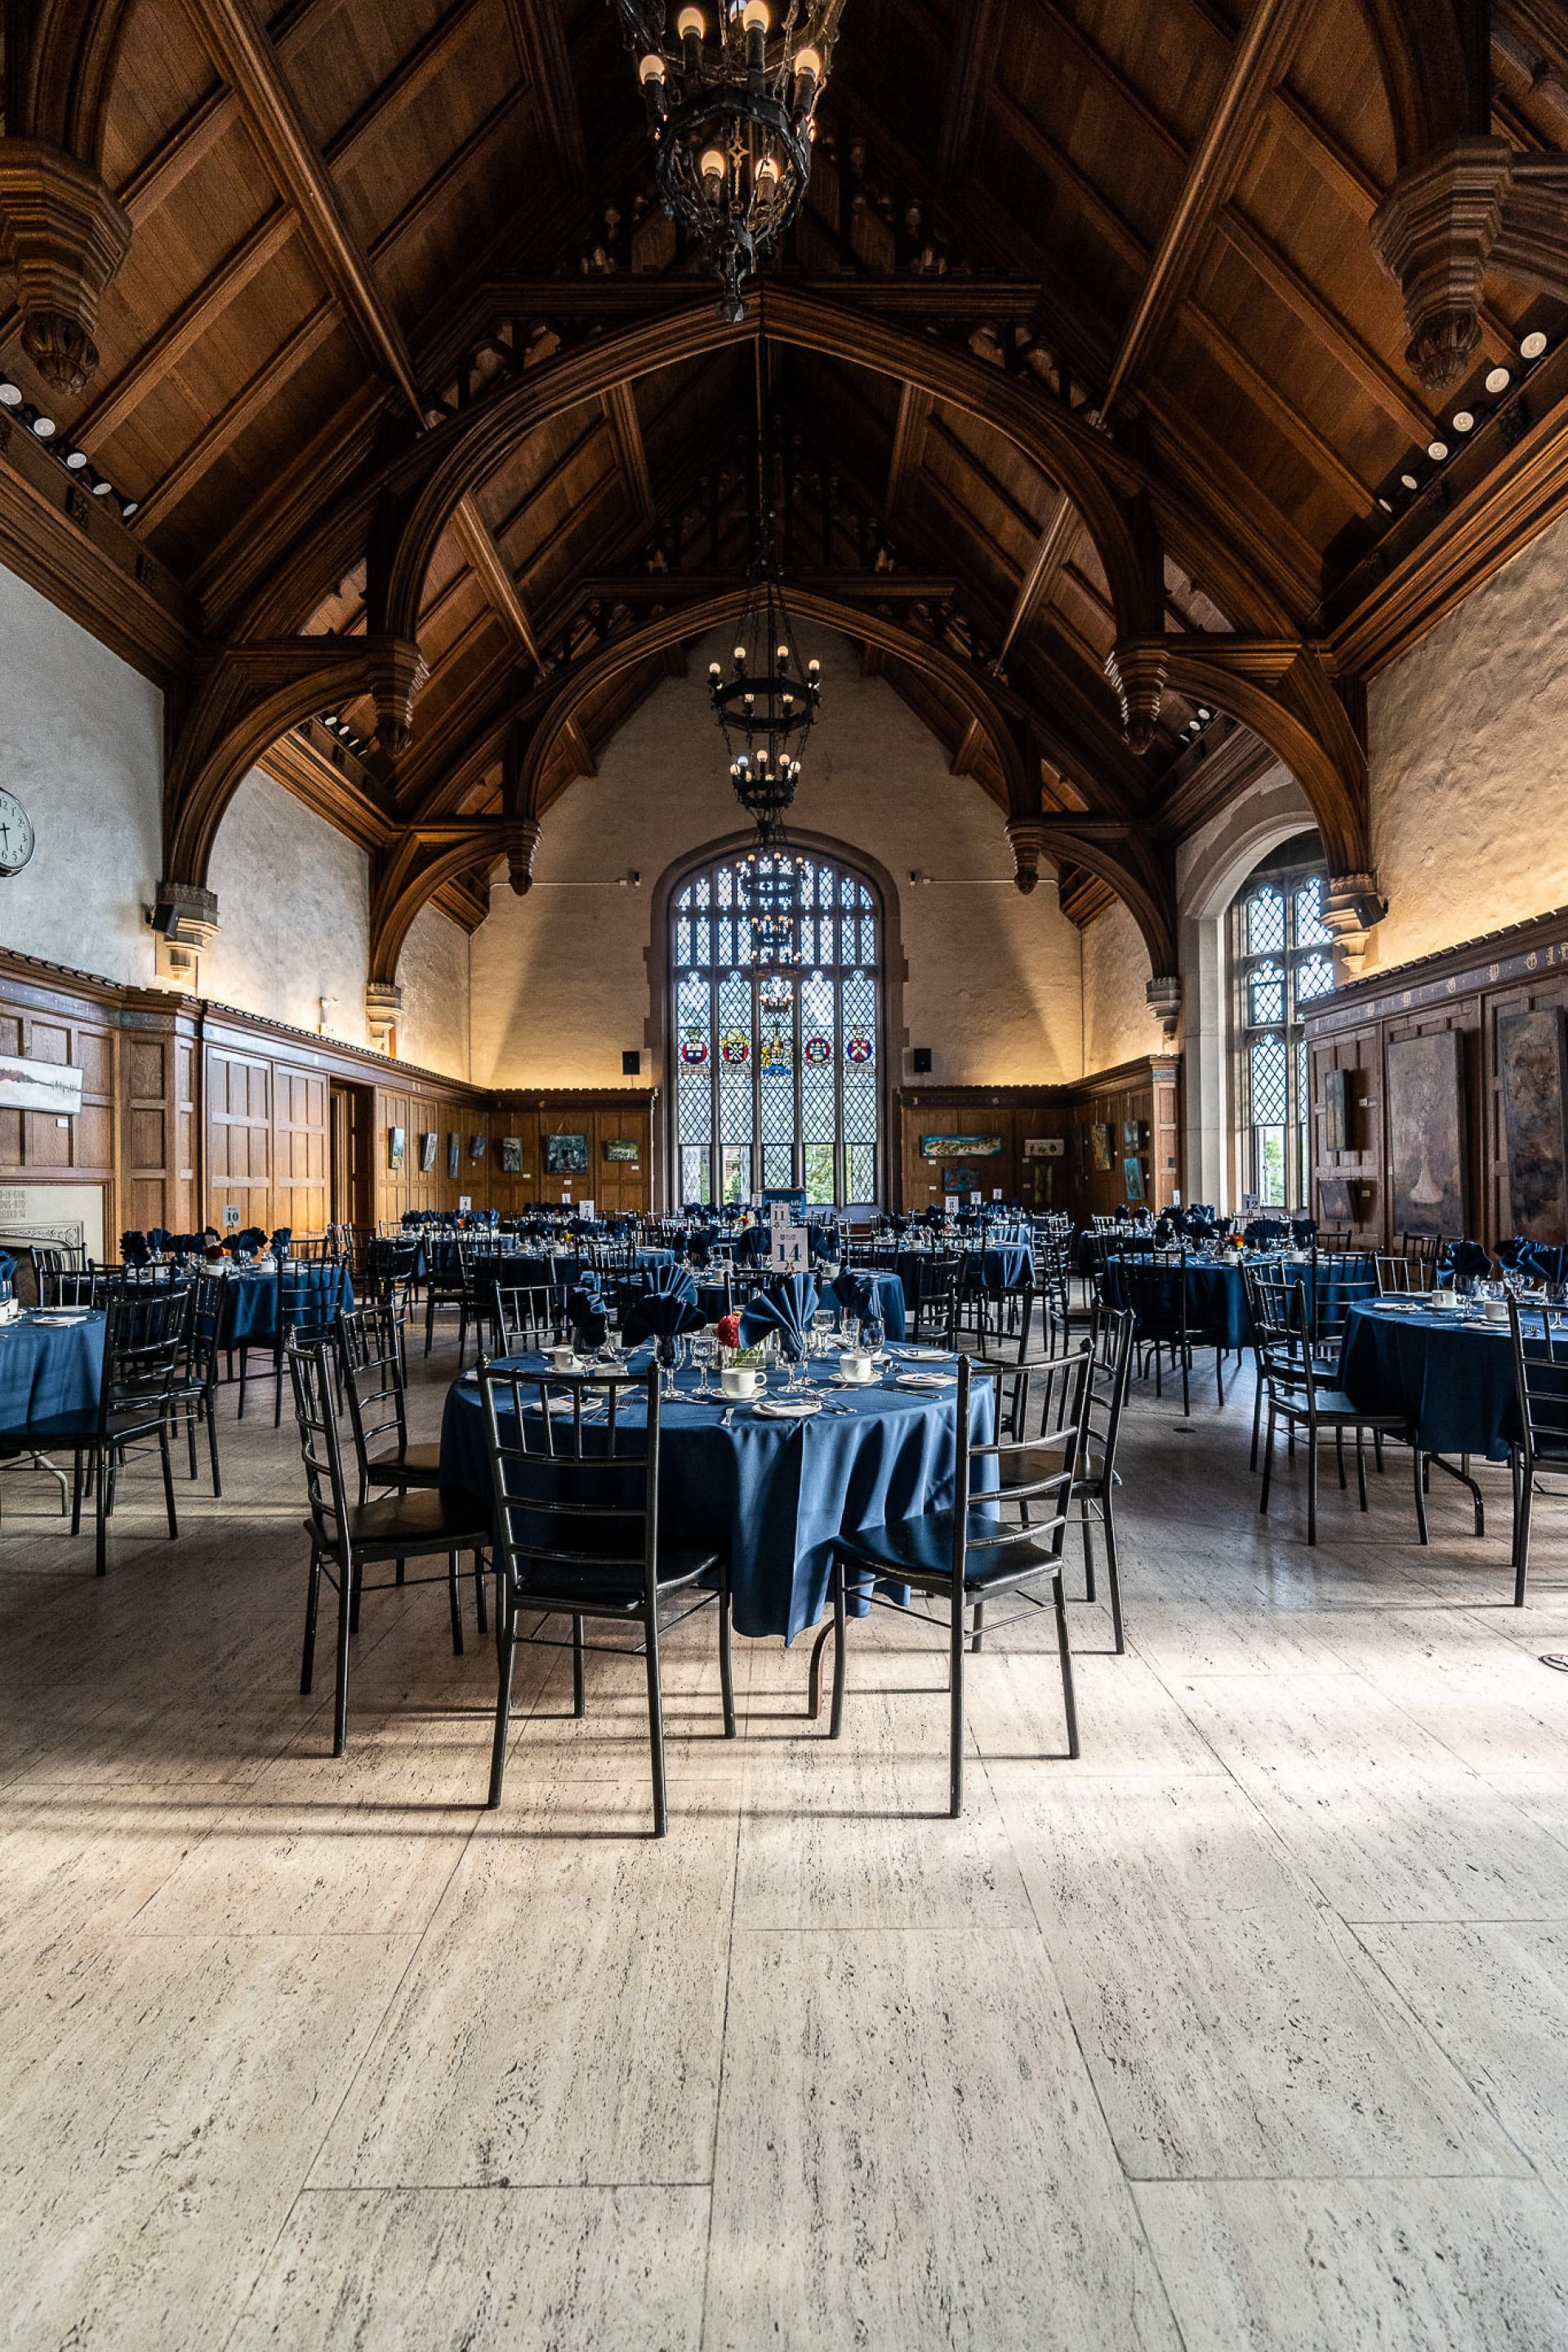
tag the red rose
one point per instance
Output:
(729, 1329)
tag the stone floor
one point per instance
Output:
(1249, 2029)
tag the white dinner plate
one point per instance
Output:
(788, 1408)
(56, 1322)
(926, 1381)
(926, 1355)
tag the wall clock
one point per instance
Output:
(16, 840)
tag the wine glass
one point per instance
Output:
(822, 1325)
(873, 1334)
(704, 1355)
(673, 1352)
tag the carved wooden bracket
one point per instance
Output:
(1026, 839)
(1352, 907)
(1163, 995)
(66, 236)
(1137, 671)
(1434, 233)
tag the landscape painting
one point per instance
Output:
(961, 1147)
(1426, 1132)
(1531, 1068)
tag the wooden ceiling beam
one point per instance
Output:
(236, 418)
(908, 444)
(974, 69)
(540, 38)
(625, 425)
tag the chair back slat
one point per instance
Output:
(310, 1374)
(574, 1479)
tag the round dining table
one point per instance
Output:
(1216, 1291)
(51, 1368)
(772, 1495)
(1449, 1372)
(249, 1311)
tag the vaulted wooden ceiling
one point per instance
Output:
(354, 228)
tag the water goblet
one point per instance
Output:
(822, 1326)
(704, 1355)
(873, 1334)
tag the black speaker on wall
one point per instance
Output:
(631, 1065)
(919, 1061)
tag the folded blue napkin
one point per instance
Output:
(667, 1307)
(1541, 1263)
(7, 1268)
(1463, 1259)
(786, 1306)
(586, 1313)
(857, 1292)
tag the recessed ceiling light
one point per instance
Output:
(1497, 379)
(1464, 420)
(130, 507)
(1386, 505)
(1409, 482)
(1532, 346)
(1204, 710)
(44, 427)
(1436, 449)
(11, 395)
(76, 460)
(102, 490)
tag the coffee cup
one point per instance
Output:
(561, 1360)
(855, 1366)
(1497, 1310)
(742, 1381)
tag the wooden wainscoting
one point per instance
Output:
(612, 1114)
(1469, 988)
(1142, 1095)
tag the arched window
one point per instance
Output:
(776, 1026)
(1280, 961)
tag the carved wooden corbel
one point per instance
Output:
(1137, 671)
(66, 236)
(1026, 839)
(1434, 233)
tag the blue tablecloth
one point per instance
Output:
(250, 1305)
(1008, 1266)
(1452, 1379)
(1092, 1249)
(50, 1378)
(771, 1496)
(1216, 1294)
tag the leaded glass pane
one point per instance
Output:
(1264, 922)
(778, 1165)
(694, 1057)
(737, 1054)
(1265, 996)
(1269, 1103)
(695, 1174)
(1314, 977)
(701, 942)
(819, 1030)
(861, 1179)
(1310, 929)
(737, 1167)
(683, 941)
(1270, 1166)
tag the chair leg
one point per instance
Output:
(102, 1503)
(1267, 1465)
(481, 1608)
(506, 1650)
(1339, 1454)
(312, 1603)
(212, 1441)
(191, 1436)
(655, 1730)
(348, 1608)
(1311, 1482)
(76, 1492)
(814, 1681)
(1420, 1461)
(1086, 1523)
(956, 1704)
(1360, 1464)
(1220, 1372)
(1186, 1381)
(726, 1663)
(168, 1479)
(430, 1318)
(1113, 1571)
(1522, 1531)
(454, 1595)
(840, 1652)
(579, 1691)
(979, 1634)
(1257, 1419)
(1064, 1651)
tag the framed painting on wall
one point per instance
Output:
(1334, 1200)
(1426, 1132)
(427, 1155)
(1132, 1134)
(1102, 1136)
(394, 1143)
(1044, 1147)
(1533, 1071)
(454, 1150)
(1339, 1110)
(511, 1155)
(566, 1155)
(627, 1152)
(961, 1147)
(1132, 1177)
(476, 1146)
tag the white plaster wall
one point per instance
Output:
(1116, 1023)
(433, 972)
(1469, 753)
(560, 978)
(294, 914)
(81, 747)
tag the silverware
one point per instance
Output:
(729, 1416)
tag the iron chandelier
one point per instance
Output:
(767, 705)
(730, 105)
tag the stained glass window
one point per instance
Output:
(777, 1062)
(1279, 947)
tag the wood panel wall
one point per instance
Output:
(1468, 988)
(1146, 1092)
